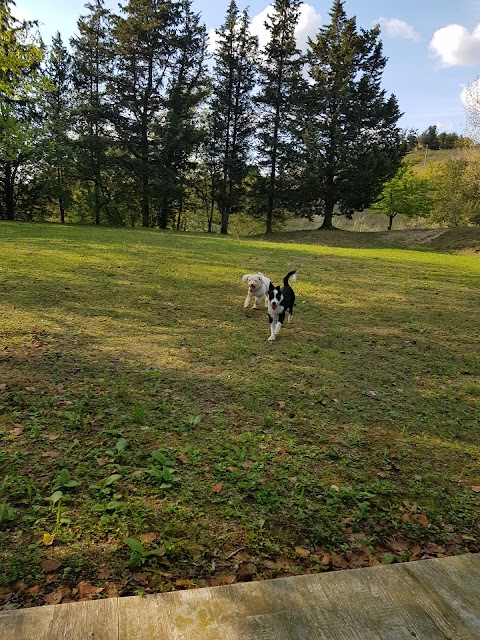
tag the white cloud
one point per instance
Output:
(396, 28)
(455, 46)
(307, 27)
(212, 40)
(309, 22)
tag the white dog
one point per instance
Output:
(258, 286)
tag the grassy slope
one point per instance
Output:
(352, 439)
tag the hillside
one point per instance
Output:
(442, 240)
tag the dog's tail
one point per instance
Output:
(292, 275)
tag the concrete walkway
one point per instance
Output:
(426, 600)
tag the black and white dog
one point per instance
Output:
(257, 288)
(279, 301)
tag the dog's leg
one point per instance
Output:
(279, 324)
(290, 315)
(258, 302)
(247, 300)
(272, 328)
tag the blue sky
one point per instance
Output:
(433, 46)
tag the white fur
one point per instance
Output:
(258, 285)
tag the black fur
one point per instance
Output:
(280, 300)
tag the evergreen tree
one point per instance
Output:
(352, 142)
(179, 134)
(58, 116)
(21, 89)
(146, 48)
(232, 109)
(280, 73)
(92, 69)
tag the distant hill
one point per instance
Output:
(457, 240)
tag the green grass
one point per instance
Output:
(353, 436)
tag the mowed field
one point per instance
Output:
(153, 439)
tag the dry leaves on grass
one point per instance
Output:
(49, 565)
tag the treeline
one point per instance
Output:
(432, 139)
(133, 122)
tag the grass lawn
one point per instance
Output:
(139, 401)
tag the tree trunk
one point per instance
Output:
(62, 210)
(96, 198)
(327, 221)
(9, 196)
(163, 222)
(390, 221)
(225, 219)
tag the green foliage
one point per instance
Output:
(456, 191)
(64, 481)
(161, 471)
(406, 193)
(105, 486)
(140, 555)
(7, 513)
(21, 90)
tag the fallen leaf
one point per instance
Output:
(48, 539)
(52, 436)
(5, 594)
(293, 479)
(50, 564)
(281, 404)
(17, 429)
(220, 580)
(147, 537)
(50, 454)
(325, 561)
(217, 487)
(3, 386)
(248, 464)
(422, 519)
(246, 572)
(183, 582)
(398, 545)
(475, 488)
(183, 458)
(302, 552)
(334, 487)
(86, 590)
(55, 597)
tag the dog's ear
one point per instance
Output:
(271, 287)
(245, 277)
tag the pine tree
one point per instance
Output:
(280, 72)
(92, 69)
(179, 134)
(58, 115)
(146, 46)
(232, 109)
(352, 141)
